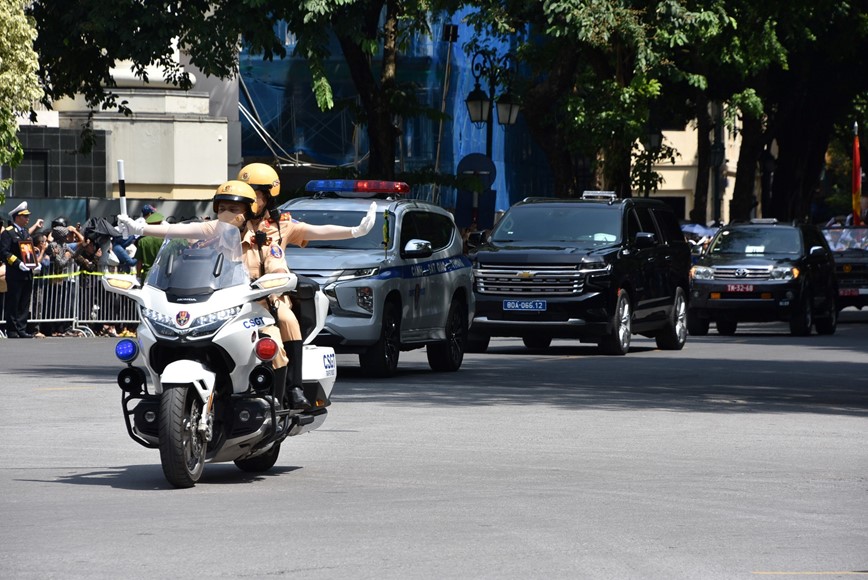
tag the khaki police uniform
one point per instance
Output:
(269, 259)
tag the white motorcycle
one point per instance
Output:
(207, 390)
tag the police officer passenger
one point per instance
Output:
(17, 252)
(265, 238)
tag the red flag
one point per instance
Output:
(857, 178)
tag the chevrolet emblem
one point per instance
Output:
(525, 275)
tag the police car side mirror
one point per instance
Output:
(417, 249)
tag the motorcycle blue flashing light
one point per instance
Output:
(357, 187)
(127, 350)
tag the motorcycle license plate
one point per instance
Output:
(739, 287)
(525, 305)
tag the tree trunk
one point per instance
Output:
(699, 213)
(744, 194)
(374, 97)
(546, 131)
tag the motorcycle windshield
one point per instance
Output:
(210, 261)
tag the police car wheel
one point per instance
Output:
(381, 359)
(447, 356)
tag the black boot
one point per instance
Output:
(297, 400)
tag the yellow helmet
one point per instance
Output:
(235, 191)
(261, 175)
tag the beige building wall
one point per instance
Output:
(679, 180)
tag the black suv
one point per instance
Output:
(850, 247)
(596, 270)
(764, 271)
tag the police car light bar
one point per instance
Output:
(356, 187)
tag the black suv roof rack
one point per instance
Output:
(609, 196)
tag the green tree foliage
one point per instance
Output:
(19, 87)
(81, 41)
(597, 69)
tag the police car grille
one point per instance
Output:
(529, 280)
(742, 273)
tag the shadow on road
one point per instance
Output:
(150, 477)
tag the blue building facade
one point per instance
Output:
(281, 120)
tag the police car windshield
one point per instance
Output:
(372, 241)
(580, 224)
(757, 241)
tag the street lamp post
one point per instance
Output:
(479, 104)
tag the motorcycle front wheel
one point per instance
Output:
(182, 446)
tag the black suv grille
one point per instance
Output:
(537, 280)
(742, 273)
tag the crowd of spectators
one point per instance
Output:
(96, 247)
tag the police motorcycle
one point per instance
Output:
(204, 390)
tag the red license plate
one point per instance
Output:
(739, 287)
(848, 292)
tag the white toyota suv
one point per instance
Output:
(405, 285)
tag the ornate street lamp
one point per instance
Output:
(479, 104)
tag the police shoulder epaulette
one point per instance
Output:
(8, 228)
(285, 217)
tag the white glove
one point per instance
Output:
(22, 266)
(37, 269)
(367, 222)
(135, 228)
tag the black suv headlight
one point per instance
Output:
(701, 273)
(593, 264)
(784, 273)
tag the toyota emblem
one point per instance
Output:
(741, 273)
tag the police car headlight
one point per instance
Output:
(357, 273)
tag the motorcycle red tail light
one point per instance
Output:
(265, 349)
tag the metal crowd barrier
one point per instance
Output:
(73, 301)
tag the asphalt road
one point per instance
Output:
(738, 457)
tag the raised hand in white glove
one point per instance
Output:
(135, 228)
(367, 222)
(22, 266)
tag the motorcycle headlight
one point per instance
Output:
(161, 324)
(211, 323)
(206, 325)
(701, 273)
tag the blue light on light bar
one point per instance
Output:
(127, 350)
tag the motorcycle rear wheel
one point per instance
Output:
(182, 446)
(260, 463)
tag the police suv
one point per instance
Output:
(404, 285)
